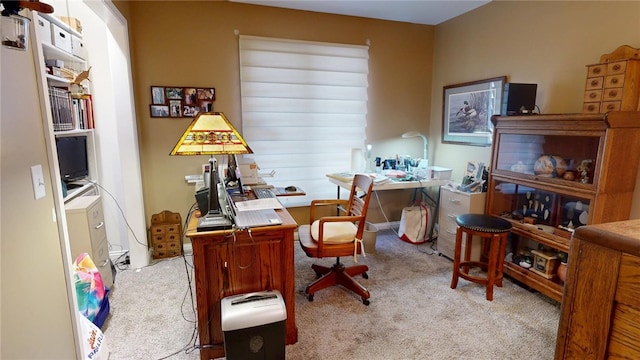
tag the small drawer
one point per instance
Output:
(596, 70)
(60, 38)
(591, 107)
(618, 67)
(157, 238)
(157, 229)
(594, 83)
(612, 94)
(614, 81)
(173, 245)
(43, 29)
(172, 237)
(173, 228)
(610, 106)
(592, 96)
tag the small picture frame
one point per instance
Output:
(157, 95)
(207, 94)
(467, 109)
(159, 110)
(175, 93)
(175, 108)
(190, 96)
(206, 106)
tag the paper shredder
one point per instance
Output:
(253, 325)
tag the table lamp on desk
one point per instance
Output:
(424, 163)
(212, 134)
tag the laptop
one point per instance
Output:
(247, 219)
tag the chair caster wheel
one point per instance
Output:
(366, 302)
(365, 275)
(310, 298)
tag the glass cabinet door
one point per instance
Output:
(537, 206)
(570, 158)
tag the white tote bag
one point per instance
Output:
(414, 224)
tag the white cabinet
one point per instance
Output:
(87, 233)
(452, 204)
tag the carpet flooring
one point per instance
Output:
(413, 314)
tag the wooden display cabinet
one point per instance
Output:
(539, 201)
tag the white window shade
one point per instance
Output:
(304, 108)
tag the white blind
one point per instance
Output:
(304, 108)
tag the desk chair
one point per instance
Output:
(336, 236)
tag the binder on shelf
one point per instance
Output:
(61, 112)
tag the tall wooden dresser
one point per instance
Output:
(600, 316)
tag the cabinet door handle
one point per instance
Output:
(451, 232)
(105, 263)
(452, 217)
(454, 201)
(100, 225)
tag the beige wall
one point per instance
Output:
(193, 44)
(543, 42)
(549, 43)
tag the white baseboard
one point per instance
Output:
(387, 225)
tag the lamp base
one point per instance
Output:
(212, 222)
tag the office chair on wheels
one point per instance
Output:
(337, 236)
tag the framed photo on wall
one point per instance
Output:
(467, 109)
(176, 102)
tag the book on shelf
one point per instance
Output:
(83, 111)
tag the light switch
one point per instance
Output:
(38, 182)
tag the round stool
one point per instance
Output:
(493, 232)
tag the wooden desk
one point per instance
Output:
(229, 263)
(416, 185)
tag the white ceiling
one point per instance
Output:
(427, 12)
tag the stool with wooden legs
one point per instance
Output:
(493, 232)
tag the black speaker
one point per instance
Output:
(518, 99)
(202, 197)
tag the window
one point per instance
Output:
(304, 108)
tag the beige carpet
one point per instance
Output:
(414, 314)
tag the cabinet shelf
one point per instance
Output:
(547, 287)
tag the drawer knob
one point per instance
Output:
(611, 107)
(101, 224)
(594, 82)
(596, 70)
(616, 67)
(592, 95)
(613, 93)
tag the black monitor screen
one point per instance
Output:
(72, 157)
(518, 99)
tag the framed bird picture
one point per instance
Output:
(467, 109)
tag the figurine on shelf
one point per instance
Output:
(584, 168)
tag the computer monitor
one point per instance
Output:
(518, 99)
(215, 218)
